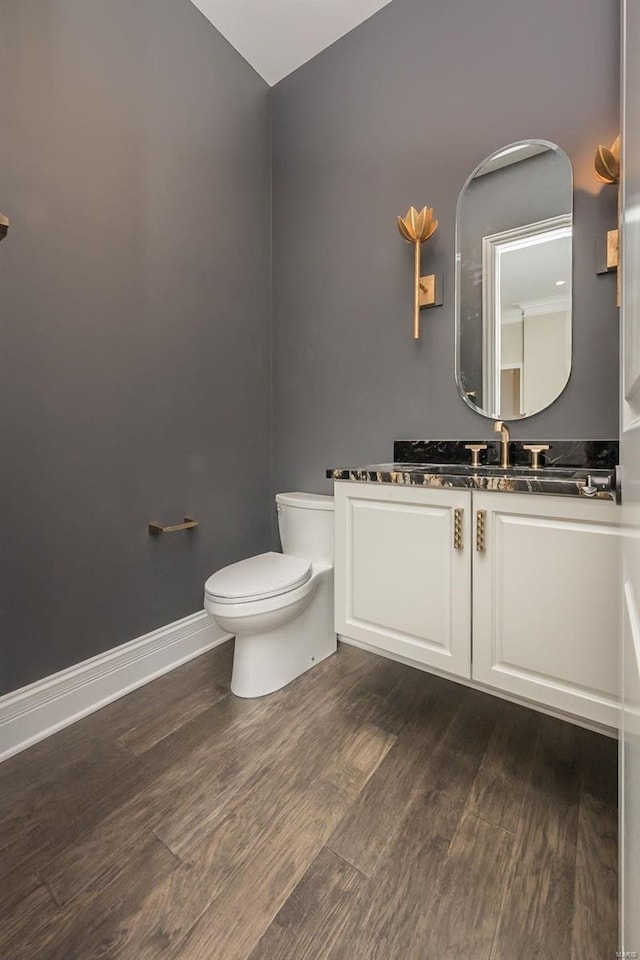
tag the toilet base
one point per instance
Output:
(267, 660)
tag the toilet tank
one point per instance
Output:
(305, 521)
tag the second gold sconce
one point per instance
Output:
(607, 162)
(416, 227)
(607, 168)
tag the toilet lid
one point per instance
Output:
(267, 575)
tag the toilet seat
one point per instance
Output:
(258, 578)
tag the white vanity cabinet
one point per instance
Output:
(546, 601)
(401, 583)
(533, 613)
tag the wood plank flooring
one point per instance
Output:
(367, 812)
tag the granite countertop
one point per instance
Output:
(564, 483)
(445, 464)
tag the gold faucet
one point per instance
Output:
(501, 428)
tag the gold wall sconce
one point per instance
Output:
(607, 168)
(4, 225)
(416, 227)
(607, 162)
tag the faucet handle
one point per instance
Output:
(476, 450)
(535, 449)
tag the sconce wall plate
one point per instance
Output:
(4, 225)
(613, 254)
(607, 252)
(430, 294)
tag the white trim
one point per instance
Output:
(46, 706)
(492, 691)
(544, 306)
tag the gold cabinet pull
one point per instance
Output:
(480, 522)
(458, 514)
(157, 528)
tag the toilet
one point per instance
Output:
(279, 606)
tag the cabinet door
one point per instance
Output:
(546, 602)
(402, 584)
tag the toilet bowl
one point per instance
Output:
(279, 606)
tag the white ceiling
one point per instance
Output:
(278, 36)
(530, 275)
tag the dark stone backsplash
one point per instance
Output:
(589, 454)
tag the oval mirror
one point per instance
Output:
(514, 231)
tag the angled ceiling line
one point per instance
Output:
(277, 36)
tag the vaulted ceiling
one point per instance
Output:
(278, 36)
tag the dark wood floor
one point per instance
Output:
(367, 812)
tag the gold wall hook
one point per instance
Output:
(416, 227)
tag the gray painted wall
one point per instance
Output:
(135, 283)
(135, 296)
(399, 112)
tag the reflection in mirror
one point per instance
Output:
(513, 281)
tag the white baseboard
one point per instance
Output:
(492, 691)
(46, 706)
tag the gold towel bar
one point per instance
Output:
(189, 524)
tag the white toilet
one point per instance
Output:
(279, 606)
